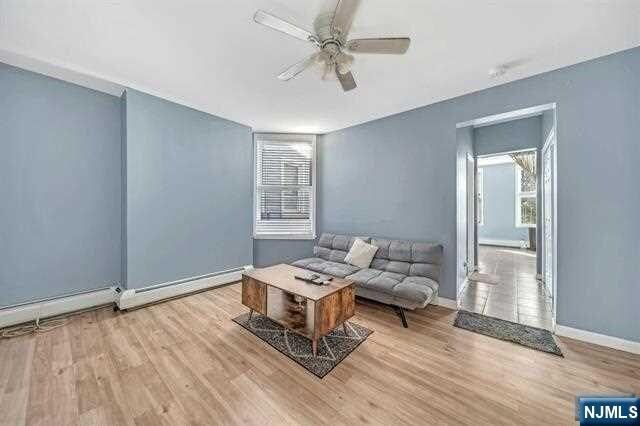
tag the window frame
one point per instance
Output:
(524, 194)
(284, 138)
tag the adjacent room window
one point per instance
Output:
(526, 191)
(480, 196)
(284, 193)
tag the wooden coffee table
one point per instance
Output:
(304, 308)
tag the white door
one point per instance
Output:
(548, 176)
(471, 212)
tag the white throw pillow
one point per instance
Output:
(361, 254)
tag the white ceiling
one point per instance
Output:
(210, 55)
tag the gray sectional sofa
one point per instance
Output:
(403, 274)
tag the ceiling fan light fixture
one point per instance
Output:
(331, 32)
(343, 68)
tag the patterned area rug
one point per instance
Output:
(531, 337)
(332, 349)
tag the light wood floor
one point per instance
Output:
(185, 361)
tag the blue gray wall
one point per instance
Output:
(60, 187)
(271, 252)
(510, 136)
(499, 188)
(188, 192)
(407, 163)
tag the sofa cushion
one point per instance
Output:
(326, 240)
(398, 267)
(303, 263)
(427, 270)
(383, 248)
(426, 253)
(415, 289)
(339, 242)
(335, 247)
(384, 282)
(329, 254)
(379, 264)
(340, 270)
(400, 251)
(336, 269)
(364, 275)
(418, 289)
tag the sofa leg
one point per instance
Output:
(400, 313)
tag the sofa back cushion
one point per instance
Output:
(408, 257)
(404, 257)
(335, 247)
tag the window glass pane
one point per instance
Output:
(528, 210)
(279, 204)
(285, 164)
(527, 181)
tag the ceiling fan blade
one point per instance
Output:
(392, 46)
(298, 67)
(346, 81)
(264, 18)
(343, 17)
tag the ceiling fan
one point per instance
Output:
(331, 31)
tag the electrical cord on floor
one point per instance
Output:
(44, 325)
(37, 327)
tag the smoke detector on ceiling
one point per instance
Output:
(498, 71)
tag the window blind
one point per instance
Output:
(284, 188)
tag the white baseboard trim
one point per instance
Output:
(503, 243)
(132, 298)
(56, 306)
(598, 339)
(447, 303)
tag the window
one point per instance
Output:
(526, 197)
(480, 196)
(284, 192)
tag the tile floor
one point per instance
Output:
(517, 297)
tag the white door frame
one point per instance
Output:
(551, 144)
(470, 166)
(495, 119)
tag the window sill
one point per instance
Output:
(284, 237)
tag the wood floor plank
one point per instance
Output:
(185, 362)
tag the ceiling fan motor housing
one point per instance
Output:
(322, 27)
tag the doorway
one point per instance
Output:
(510, 234)
(506, 284)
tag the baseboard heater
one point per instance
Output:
(135, 297)
(54, 306)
